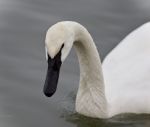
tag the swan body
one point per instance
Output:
(120, 85)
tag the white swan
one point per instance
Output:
(126, 70)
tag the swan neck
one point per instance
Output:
(90, 100)
(88, 56)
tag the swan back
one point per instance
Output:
(126, 72)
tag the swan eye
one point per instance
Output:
(62, 46)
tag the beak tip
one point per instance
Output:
(48, 94)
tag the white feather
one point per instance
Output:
(126, 69)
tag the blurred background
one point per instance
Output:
(23, 25)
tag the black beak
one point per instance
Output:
(52, 76)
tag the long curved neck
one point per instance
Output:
(90, 100)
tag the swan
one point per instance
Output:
(120, 85)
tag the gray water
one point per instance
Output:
(23, 24)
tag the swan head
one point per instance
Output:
(58, 43)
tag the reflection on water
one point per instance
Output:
(125, 120)
(23, 24)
